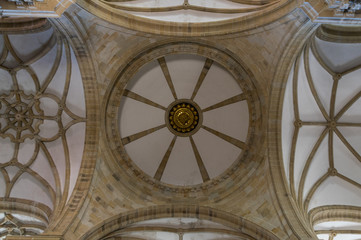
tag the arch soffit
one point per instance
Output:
(124, 220)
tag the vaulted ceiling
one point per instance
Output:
(144, 119)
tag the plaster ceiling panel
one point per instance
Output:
(41, 165)
(346, 162)
(217, 86)
(349, 87)
(11, 171)
(185, 71)
(57, 83)
(75, 137)
(5, 81)
(352, 114)
(208, 236)
(339, 56)
(153, 235)
(322, 81)
(49, 106)
(136, 116)
(6, 150)
(347, 237)
(323, 236)
(336, 191)
(49, 129)
(10, 61)
(182, 169)
(35, 42)
(150, 3)
(26, 151)
(187, 16)
(288, 119)
(27, 187)
(56, 148)
(318, 167)
(2, 185)
(154, 146)
(75, 100)
(308, 108)
(232, 120)
(25, 81)
(150, 80)
(181, 223)
(214, 150)
(41, 66)
(307, 139)
(338, 225)
(219, 4)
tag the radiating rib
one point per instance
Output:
(314, 188)
(347, 106)
(144, 133)
(227, 138)
(308, 163)
(347, 144)
(228, 101)
(314, 123)
(54, 68)
(333, 96)
(347, 124)
(310, 83)
(164, 67)
(206, 67)
(200, 163)
(158, 175)
(139, 98)
(330, 149)
(318, 57)
(349, 180)
(292, 160)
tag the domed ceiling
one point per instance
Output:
(183, 121)
(321, 128)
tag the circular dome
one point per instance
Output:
(193, 119)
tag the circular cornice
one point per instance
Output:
(234, 25)
(234, 177)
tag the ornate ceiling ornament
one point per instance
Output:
(196, 110)
(183, 117)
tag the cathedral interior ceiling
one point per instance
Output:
(185, 119)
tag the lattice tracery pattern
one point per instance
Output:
(42, 123)
(322, 150)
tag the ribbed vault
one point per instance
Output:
(320, 128)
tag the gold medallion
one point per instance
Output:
(183, 117)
